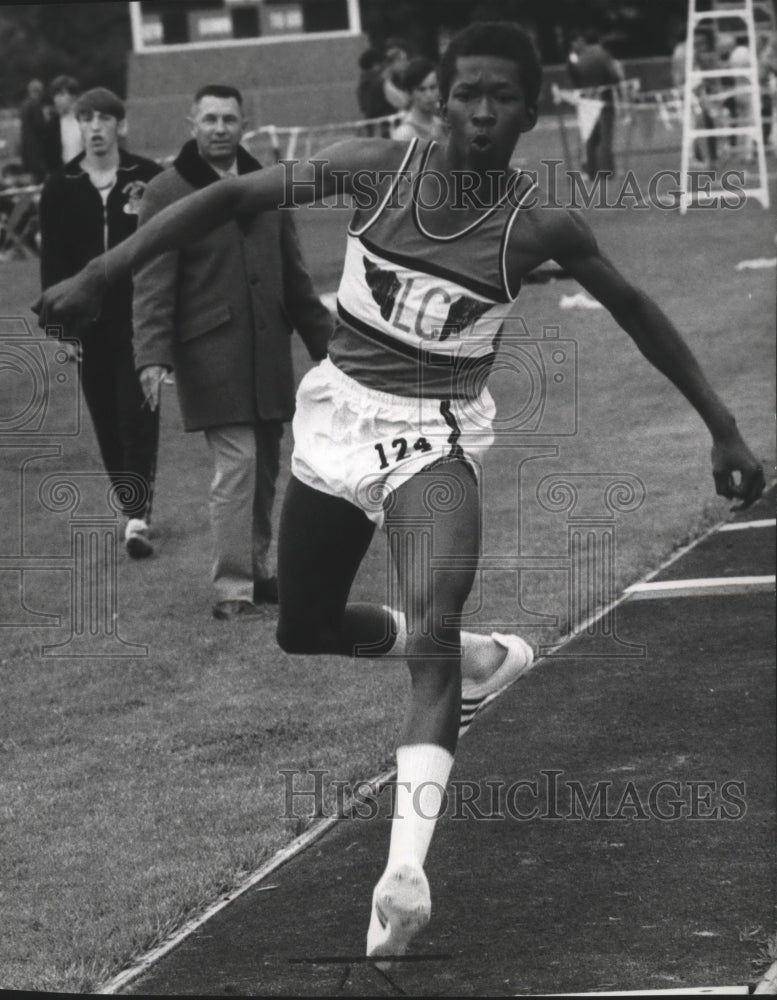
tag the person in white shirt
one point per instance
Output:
(64, 141)
(421, 118)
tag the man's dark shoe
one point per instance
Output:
(229, 610)
(136, 540)
(266, 591)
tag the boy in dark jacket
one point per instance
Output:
(88, 206)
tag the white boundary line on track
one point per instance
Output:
(376, 784)
(767, 985)
(768, 522)
(609, 608)
(711, 586)
(696, 991)
(297, 846)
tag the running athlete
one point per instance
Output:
(390, 428)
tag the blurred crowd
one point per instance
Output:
(50, 136)
(725, 101)
(401, 90)
(392, 85)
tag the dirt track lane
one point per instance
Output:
(629, 898)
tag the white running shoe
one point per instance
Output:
(401, 907)
(517, 662)
(136, 540)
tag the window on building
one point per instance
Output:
(180, 22)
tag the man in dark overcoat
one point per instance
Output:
(220, 313)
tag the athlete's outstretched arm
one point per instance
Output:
(78, 299)
(662, 344)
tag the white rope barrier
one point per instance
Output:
(668, 103)
(626, 96)
(288, 142)
(15, 192)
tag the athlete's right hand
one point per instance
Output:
(73, 303)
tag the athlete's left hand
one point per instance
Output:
(729, 458)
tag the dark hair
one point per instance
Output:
(417, 71)
(369, 59)
(589, 35)
(64, 85)
(394, 43)
(100, 99)
(224, 90)
(504, 39)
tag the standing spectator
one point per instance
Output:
(766, 54)
(369, 90)
(591, 67)
(706, 58)
(728, 103)
(741, 104)
(64, 140)
(33, 132)
(421, 118)
(379, 91)
(88, 206)
(393, 75)
(677, 65)
(220, 312)
(766, 67)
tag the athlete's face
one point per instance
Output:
(486, 111)
(217, 127)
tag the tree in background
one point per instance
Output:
(89, 41)
(631, 28)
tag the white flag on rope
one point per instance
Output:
(588, 111)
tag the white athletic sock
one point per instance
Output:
(423, 770)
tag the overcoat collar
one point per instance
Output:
(191, 166)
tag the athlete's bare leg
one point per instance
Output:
(433, 528)
(321, 543)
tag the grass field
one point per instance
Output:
(136, 789)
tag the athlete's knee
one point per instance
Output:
(302, 638)
(291, 640)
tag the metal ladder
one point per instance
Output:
(747, 83)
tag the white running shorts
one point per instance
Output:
(360, 444)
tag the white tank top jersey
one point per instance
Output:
(421, 314)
